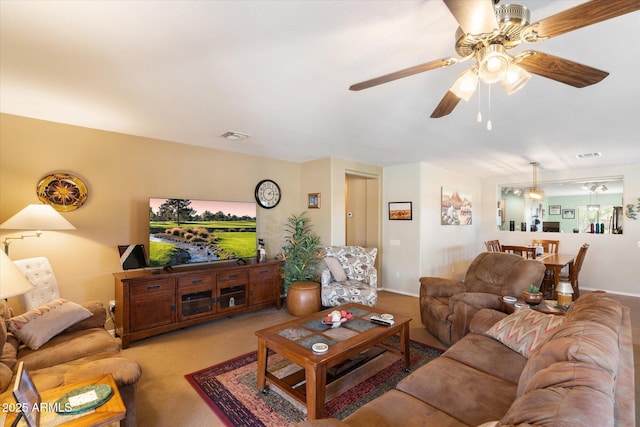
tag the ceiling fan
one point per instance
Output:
(489, 30)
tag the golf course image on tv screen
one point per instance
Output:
(186, 231)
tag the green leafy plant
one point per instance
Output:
(302, 253)
(533, 289)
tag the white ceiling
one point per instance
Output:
(188, 71)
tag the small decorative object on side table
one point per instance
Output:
(564, 294)
(533, 295)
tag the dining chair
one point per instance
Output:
(549, 246)
(528, 252)
(575, 271)
(493, 246)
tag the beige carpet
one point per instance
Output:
(165, 398)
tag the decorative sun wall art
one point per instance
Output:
(63, 191)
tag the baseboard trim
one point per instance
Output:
(395, 291)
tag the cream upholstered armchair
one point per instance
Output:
(349, 276)
(447, 306)
(45, 286)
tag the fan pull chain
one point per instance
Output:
(479, 116)
(489, 126)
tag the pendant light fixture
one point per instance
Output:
(533, 193)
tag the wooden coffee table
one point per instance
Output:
(293, 340)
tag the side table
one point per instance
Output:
(111, 411)
(547, 306)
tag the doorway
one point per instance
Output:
(362, 201)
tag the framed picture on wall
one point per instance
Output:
(314, 201)
(400, 211)
(456, 207)
(568, 214)
(555, 209)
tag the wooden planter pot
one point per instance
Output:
(303, 298)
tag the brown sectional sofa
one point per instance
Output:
(82, 351)
(583, 375)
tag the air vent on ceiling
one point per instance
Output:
(588, 155)
(235, 136)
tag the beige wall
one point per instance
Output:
(121, 173)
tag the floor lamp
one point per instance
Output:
(36, 217)
(12, 281)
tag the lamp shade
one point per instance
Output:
(564, 287)
(37, 217)
(12, 281)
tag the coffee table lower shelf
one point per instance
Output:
(295, 383)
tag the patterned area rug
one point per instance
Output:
(230, 387)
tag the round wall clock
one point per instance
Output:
(268, 194)
(63, 191)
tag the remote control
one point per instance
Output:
(380, 321)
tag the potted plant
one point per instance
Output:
(302, 253)
(533, 295)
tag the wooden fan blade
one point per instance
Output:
(474, 17)
(560, 69)
(448, 102)
(427, 66)
(583, 15)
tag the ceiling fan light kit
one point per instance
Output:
(487, 31)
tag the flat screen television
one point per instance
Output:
(187, 231)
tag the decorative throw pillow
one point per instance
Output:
(525, 330)
(37, 326)
(336, 269)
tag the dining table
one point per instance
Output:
(555, 263)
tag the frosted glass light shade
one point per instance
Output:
(494, 64)
(515, 79)
(466, 83)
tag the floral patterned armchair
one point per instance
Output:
(349, 276)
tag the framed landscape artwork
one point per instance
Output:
(554, 209)
(456, 207)
(400, 210)
(568, 213)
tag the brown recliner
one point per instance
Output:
(447, 306)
